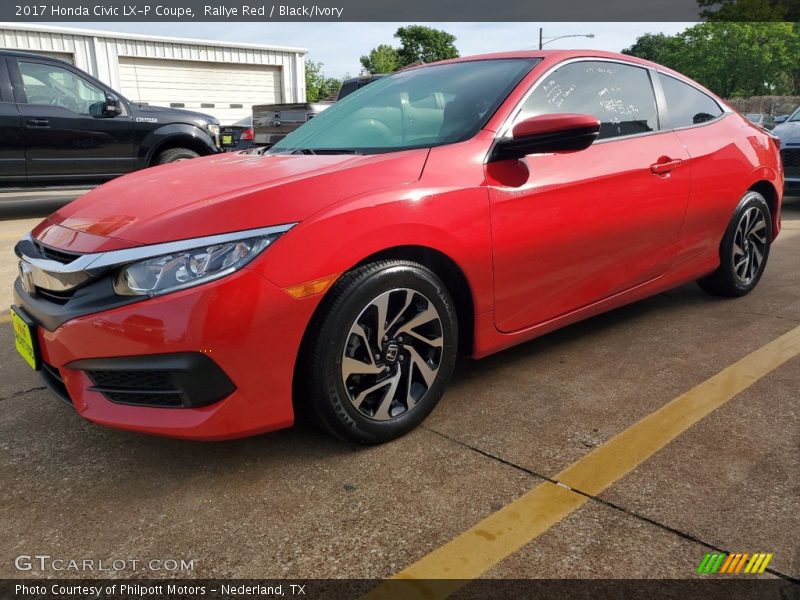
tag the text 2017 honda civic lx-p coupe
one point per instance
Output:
(467, 205)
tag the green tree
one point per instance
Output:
(419, 43)
(731, 59)
(750, 10)
(333, 85)
(383, 59)
(651, 46)
(318, 85)
(757, 10)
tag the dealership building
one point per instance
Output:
(224, 79)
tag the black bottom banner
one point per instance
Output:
(313, 589)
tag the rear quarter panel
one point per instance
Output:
(728, 157)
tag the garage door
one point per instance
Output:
(226, 91)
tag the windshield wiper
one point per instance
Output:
(324, 151)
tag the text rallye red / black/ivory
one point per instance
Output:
(305, 11)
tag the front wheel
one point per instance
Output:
(175, 155)
(385, 350)
(744, 249)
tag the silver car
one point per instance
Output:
(789, 132)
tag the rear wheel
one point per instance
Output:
(384, 353)
(174, 155)
(744, 249)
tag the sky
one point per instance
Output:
(340, 45)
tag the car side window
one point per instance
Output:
(55, 86)
(620, 96)
(686, 105)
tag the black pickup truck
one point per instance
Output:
(59, 125)
(272, 122)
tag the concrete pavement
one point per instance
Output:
(298, 504)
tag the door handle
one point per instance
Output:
(38, 122)
(665, 165)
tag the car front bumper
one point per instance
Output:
(242, 326)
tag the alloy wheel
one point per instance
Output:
(749, 245)
(392, 354)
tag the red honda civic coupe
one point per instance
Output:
(463, 206)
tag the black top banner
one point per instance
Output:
(388, 10)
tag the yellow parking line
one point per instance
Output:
(5, 318)
(474, 552)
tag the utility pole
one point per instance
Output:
(543, 43)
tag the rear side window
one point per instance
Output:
(620, 96)
(687, 105)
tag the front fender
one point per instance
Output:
(454, 222)
(166, 134)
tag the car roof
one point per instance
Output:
(23, 54)
(552, 57)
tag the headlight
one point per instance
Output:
(179, 270)
(213, 129)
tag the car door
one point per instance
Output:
(587, 225)
(12, 149)
(67, 134)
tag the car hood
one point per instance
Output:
(220, 194)
(788, 132)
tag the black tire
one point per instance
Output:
(728, 279)
(175, 154)
(407, 287)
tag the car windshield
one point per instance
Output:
(418, 108)
(754, 117)
(795, 115)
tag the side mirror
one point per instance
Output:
(547, 134)
(111, 108)
(781, 119)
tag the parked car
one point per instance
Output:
(273, 122)
(468, 205)
(761, 119)
(239, 136)
(789, 134)
(355, 83)
(60, 125)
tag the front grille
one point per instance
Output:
(59, 297)
(791, 161)
(56, 255)
(54, 382)
(141, 388)
(54, 296)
